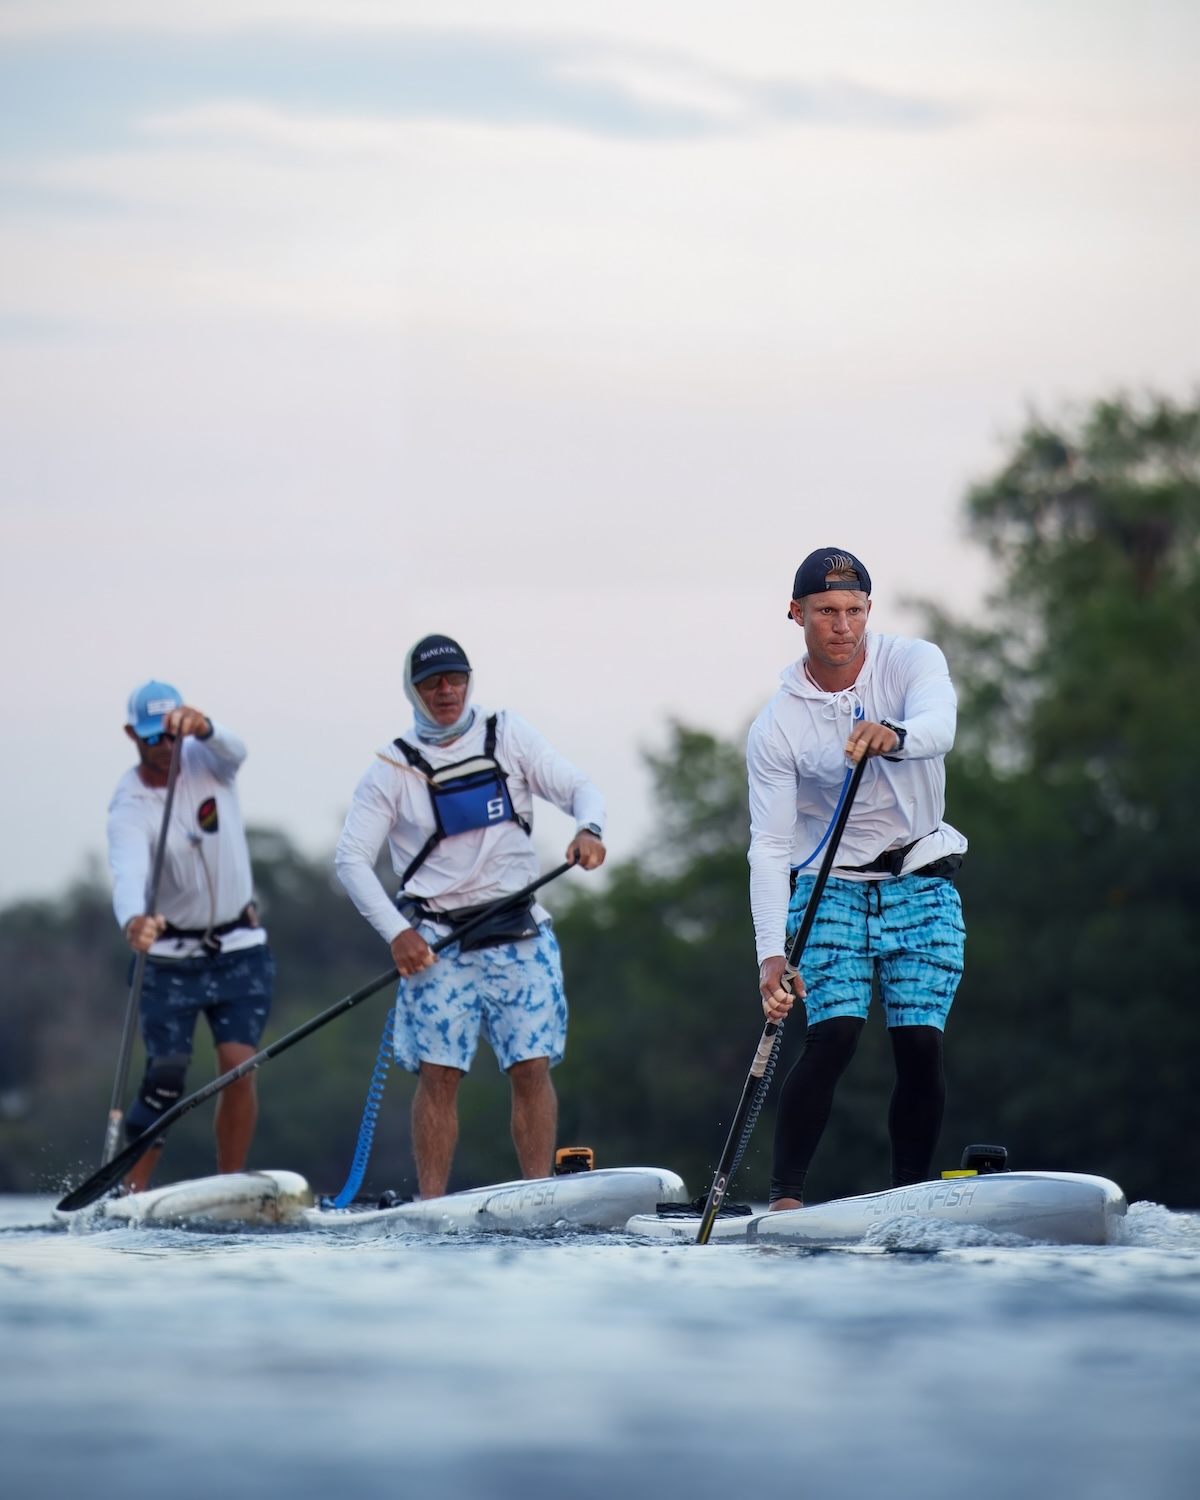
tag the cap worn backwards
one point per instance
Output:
(436, 654)
(149, 704)
(811, 574)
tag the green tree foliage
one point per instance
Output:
(1077, 781)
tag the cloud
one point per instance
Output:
(89, 93)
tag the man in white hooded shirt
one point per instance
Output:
(454, 802)
(890, 910)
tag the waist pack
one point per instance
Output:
(510, 923)
(210, 937)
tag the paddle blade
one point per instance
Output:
(109, 1174)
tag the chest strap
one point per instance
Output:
(466, 796)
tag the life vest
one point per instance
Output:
(467, 795)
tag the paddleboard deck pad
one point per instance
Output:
(1062, 1208)
(597, 1200)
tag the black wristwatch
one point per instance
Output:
(901, 734)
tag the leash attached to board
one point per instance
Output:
(763, 1066)
(116, 1108)
(111, 1173)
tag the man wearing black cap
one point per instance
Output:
(454, 800)
(890, 910)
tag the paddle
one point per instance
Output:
(116, 1109)
(111, 1173)
(763, 1065)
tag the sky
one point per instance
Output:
(565, 330)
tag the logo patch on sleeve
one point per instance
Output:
(206, 815)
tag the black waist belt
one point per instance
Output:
(891, 862)
(507, 924)
(211, 936)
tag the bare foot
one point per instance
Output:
(781, 1203)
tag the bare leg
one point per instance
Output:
(237, 1109)
(137, 1180)
(534, 1116)
(435, 1126)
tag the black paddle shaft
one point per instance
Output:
(772, 1034)
(112, 1172)
(116, 1108)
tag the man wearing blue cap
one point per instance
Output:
(890, 911)
(453, 800)
(204, 948)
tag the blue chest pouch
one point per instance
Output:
(466, 796)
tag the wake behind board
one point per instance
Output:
(603, 1199)
(1062, 1208)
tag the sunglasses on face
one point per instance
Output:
(150, 740)
(452, 679)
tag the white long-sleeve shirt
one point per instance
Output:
(206, 877)
(796, 762)
(392, 802)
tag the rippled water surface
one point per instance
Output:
(141, 1363)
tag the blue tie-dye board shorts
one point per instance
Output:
(512, 995)
(908, 931)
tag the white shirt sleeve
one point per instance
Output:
(930, 704)
(223, 751)
(551, 776)
(129, 856)
(373, 812)
(772, 775)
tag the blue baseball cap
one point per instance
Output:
(148, 704)
(811, 579)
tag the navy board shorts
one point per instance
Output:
(232, 990)
(908, 931)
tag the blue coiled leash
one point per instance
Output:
(370, 1117)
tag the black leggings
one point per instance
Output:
(914, 1117)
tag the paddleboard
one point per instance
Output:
(233, 1198)
(1062, 1208)
(602, 1199)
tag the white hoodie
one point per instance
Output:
(797, 766)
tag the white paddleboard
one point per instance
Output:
(232, 1198)
(603, 1199)
(1063, 1208)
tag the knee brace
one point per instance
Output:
(161, 1088)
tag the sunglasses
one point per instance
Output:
(454, 679)
(156, 739)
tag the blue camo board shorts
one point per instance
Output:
(908, 931)
(512, 995)
(233, 990)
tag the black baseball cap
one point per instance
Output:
(436, 654)
(811, 579)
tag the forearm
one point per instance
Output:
(363, 886)
(770, 893)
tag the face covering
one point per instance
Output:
(428, 731)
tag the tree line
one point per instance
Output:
(1075, 1036)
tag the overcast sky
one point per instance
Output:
(564, 329)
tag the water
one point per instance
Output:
(935, 1363)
